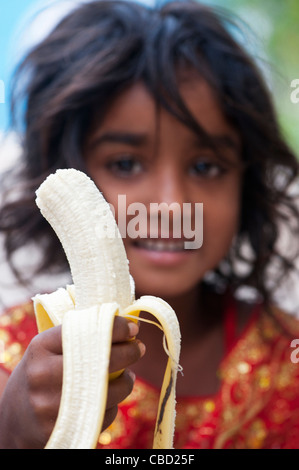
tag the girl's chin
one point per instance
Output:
(163, 286)
(165, 274)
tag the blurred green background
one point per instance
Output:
(274, 41)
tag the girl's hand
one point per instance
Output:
(30, 402)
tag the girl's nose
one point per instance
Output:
(169, 187)
(169, 195)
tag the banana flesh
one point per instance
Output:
(102, 288)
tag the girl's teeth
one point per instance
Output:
(160, 245)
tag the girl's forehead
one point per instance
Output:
(136, 109)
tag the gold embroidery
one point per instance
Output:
(245, 394)
(256, 434)
(105, 438)
(209, 406)
(13, 335)
(263, 376)
(5, 336)
(5, 320)
(243, 367)
(113, 432)
(280, 411)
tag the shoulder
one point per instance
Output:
(17, 328)
(286, 324)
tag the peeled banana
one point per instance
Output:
(102, 288)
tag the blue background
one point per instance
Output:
(11, 15)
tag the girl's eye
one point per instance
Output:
(125, 166)
(206, 169)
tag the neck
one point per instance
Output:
(196, 310)
(188, 309)
(199, 315)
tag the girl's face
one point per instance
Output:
(146, 156)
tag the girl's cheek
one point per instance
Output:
(221, 221)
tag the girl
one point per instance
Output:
(162, 105)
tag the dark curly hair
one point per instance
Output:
(102, 47)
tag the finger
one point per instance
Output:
(110, 416)
(120, 388)
(125, 354)
(123, 330)
(50, 340)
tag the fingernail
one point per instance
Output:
(141, 348)
(133, 329)
(132, 375)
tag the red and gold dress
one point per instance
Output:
(257, 405)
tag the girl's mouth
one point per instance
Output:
(160, 245)
(161, 252)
